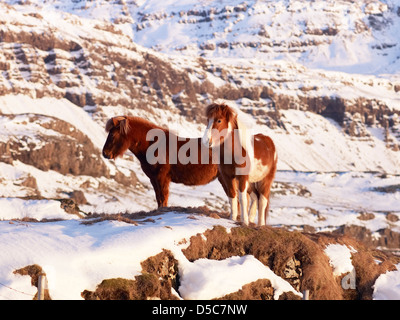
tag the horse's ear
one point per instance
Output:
(124, 126)
(116, 121)
(109, 124)
(122, 122)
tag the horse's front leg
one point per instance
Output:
(243, 200)
(161, 184)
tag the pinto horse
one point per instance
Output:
(247, 163)
(160, 165)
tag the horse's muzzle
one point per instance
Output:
(206, 140)
(107, 156)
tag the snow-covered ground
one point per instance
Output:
(336, 199)
(387, 286)
(78, 256)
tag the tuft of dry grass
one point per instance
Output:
(158, 277)
(140, 215)
(34, 271)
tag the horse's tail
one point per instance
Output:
(271, 177)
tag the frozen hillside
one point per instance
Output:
(90, 60)
(353, 36)
(185, 255)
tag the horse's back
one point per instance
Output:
(264, 148)
(193, 169)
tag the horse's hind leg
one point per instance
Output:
(156, 188)
(253, 206)
(243, 186)
(264, 190)
(262, 210)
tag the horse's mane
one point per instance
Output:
(126, 123)
(223, 110)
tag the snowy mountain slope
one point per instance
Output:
(321, 34)
(83, 70)
(352, 36)
(126, 78)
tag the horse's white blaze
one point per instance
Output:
(212, 137)
(207, 134)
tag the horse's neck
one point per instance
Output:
(240, 139)
(139, 143)
(243, 137)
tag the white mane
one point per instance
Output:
(246, 140)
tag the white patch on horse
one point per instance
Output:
(257, 171)
(247, 143)
(246, 139)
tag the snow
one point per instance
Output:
(340, 258)
(15, 208)
(227, 276)
(284, 25)
(332, 150)
(58, 108)
(78, 256)
(335, 199)
(387, 286)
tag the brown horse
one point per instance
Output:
(247, 162)
(163, 156)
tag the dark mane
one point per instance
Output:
(109, 125)
(127, 122)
